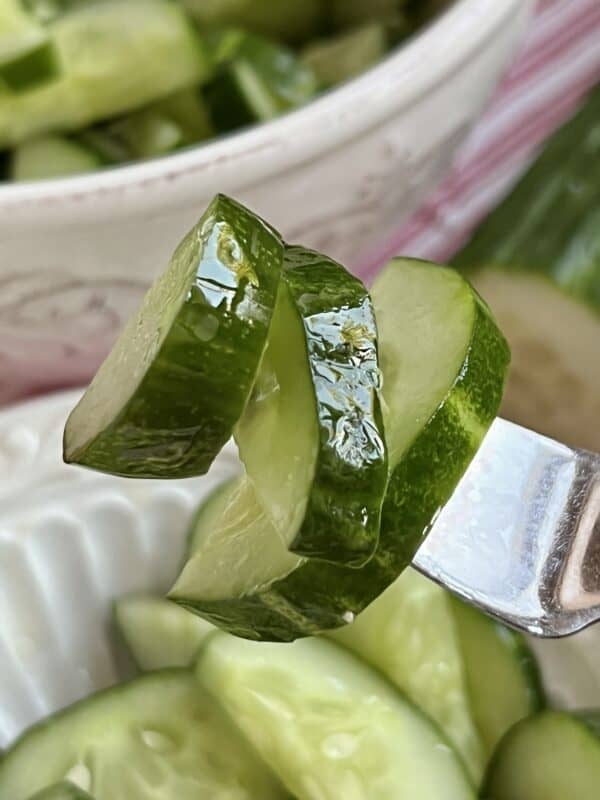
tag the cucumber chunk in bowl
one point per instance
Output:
(159, 737)
(329, 725)
(550, 756)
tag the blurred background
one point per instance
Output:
(388, 163)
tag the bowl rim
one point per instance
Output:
(304, 134)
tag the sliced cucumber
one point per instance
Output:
(261, 80)
(166, 125)
(51, 157)
(408, 634)
(62, 791)
(503, 679)
(158, 633)
(312, 435)
(157, 738)
(550, 756)
(290, 20)
(113, 57)
(443, 362)
(167, 397)
(328, 725)
(536, 259)
(27, 52)
(343, 57)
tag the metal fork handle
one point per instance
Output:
(520, 537)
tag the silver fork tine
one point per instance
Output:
(520, 537)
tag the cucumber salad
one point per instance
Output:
(298, 656)
(86, 84)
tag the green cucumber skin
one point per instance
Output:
(31, 69)
(228, 106)
(290, 20)
(585, 725)
(343, 515)
(62, 791)
(283, 78)
(550, 222)
(317, 596)
(160, 433)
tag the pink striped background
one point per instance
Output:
(558, 62)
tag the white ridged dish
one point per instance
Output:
(71, 541)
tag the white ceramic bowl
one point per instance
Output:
(72, 540)
(339, 174)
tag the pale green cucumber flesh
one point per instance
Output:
(157, 738)
(51, 157)
(409, 635)
(166, 399)
(312, 434)
(65, 790)
(158, 633)
(502, 677)
(343, 57)
(329, 725)
(112, 56)
(443, 363)
(554, 382)
(550, 756)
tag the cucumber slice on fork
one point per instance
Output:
(166, 399)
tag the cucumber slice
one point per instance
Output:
(261, 80)
(536, 259)
(158, 633)
(27, 53)
(166, 125)
(346, 55)
(328, 725)
(157, 738)
(443, 362)
(113, 57)
(167, 397)
(51, 157)
(290, 20)
(62, 791)
(503, 678)
(323, 480)
(408, 634)
(550, 756)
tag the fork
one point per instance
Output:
(520, 536)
